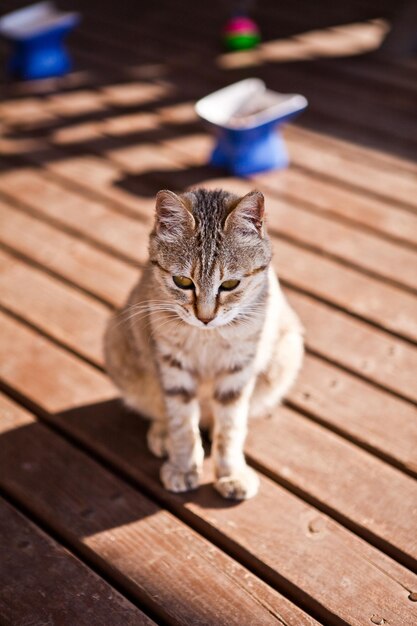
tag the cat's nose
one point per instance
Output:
(206, 320)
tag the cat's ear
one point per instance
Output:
(247, 215)
(173, 214)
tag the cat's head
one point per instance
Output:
(210, 254)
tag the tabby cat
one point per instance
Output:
(206, 337)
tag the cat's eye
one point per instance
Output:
(183, 282)
(228, 285)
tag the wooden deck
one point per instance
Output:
(87, 533)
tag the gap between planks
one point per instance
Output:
(100, 270)
(31, 592)
(131, 226)
(77, 427)
(106, 522)
(377, 471)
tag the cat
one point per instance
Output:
(206, 336)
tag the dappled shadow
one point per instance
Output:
(168, 51)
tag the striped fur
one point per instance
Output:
(191, 357)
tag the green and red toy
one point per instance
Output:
(241, 33)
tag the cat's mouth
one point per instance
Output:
(191, 319)
(194, 321)
(217, 322)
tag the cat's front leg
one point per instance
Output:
(234, 479)
(183, 469)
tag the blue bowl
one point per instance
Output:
(36, 35)
(246, 119)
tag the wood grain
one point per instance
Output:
(64, 592)
(160, 561)
(386, 305)
(293, 545)
(340, 400)
(233, 523)
(65, 255)
(334, 523)
(80, 215)
(325, 197)
(366, 350)
(329, 471)
(357, 410)
(56, 309)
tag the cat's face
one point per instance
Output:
(210, 256)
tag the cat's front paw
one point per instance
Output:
(177, 480)
(157, 440)
(242, 485)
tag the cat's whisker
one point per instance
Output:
(146, 303)
(157, 328)
(149, 306)
(138, 315)
(146, 306)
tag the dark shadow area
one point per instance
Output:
(149, 183)
(70, 488)
(118, 435)
(77, 492)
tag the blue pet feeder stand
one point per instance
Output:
(36, 34)
(246, 118)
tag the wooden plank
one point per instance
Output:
(333, 473)
(345, 404)
(334, 91)
(292, 541)
(42, 583)
(125, 55)
(379, 216)
(378, 256)
(376, 158)
(86, 218)
(57, 310)
(325, 142)
(335, 41)
(99, 176)
(388, 75)
(161, 41)
(200, 144)
(94, 323)
(310, 189)
(383, 182)
(372, 353)
(342, 286)
(289, 218)
(342, 241)
(162, 562)
(77, 103)
(66, 380)
(339, 240)
(366, 350)
(102, 175)
(21, 111)
(328, 97)
(324, 391)
(93, 432)
(358, 410)
(385, 305)
(66, 255)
